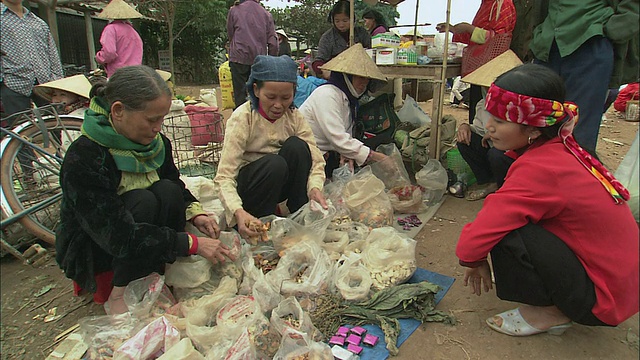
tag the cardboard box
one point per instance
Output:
(385, 40)
(386, 56)
(372, 54)
(406, 57)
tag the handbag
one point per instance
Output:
(476, 55)
(376, 121)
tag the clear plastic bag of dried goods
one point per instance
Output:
(390, 257)
(351, 279)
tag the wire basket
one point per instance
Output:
(196, 138)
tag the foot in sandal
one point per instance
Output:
(482, 191)
(539, 319)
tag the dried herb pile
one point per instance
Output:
(385, 307)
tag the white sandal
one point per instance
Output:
(513, 324)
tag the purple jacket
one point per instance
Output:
(251, 32)
(121, 46)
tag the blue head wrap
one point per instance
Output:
(271, 68)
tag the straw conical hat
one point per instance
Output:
(165, 75)
(487, 73)
(77, 84)
(410, 33)
(355, 61)
(281, 32)
(118, 9)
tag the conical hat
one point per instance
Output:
(281, 32)
(410, 33)
(487, 73)
(118, 9)
(77, 84)
(165, 75)
(355, 61)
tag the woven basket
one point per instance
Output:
(456, 163)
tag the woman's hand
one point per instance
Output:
(477, 276)
(377, 156)
(464, 134)
(316, 194)
(213, 250)
(243, 219)
(207, 224)
(485, 140)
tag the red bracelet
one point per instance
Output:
(194, 244)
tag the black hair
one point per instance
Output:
(536, 81)
(134, 86)
(375, 15)
(340, 7)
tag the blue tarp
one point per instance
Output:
(407, 326)
(305, 88)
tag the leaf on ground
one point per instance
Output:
(44, 290)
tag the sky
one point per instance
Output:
(430, 11)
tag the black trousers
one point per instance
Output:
(239, 77)
(487, 164)
(161, 204)
(13, 102)
(475, 95)
(533, 266)
(274, 178)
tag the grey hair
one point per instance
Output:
(133, 86)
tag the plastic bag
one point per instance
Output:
(407, 199)
(334, 243)
(297, 346)
(352, 280)
(158, 336)
(390, 257)
(313, 217)
(433, 178)
(285, 233)
(304, 269)
(201, 313)
(105, 334)
(628, 174)
(148, 297)
(390, 170)
(367, 202)
(289, 315)
(188, 272)
(411, 112)
(183, 350)
(209, 97)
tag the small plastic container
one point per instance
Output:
(354, 339)
(370, 340)
(337, 340)
(354, 349)
(358, 330)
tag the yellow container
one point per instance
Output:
(226, 86)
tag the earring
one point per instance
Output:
(530, 140)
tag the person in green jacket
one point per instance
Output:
(593, 45)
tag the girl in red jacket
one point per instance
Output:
(562, 239)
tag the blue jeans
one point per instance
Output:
(586, 73)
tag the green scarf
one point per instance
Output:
(128, 155)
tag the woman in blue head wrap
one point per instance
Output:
(269, 152)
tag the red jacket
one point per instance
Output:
(549, 187)
(489, 19)
(630, 92)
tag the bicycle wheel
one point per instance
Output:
(30, 176)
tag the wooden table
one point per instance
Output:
(431, 72)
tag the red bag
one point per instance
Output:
(206, 125)
(476, 55)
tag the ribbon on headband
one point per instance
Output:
(527, 110)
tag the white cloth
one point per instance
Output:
(327, 112)
(458, 87)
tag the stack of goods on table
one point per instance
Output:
(289, 292)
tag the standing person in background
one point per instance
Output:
(374, 22)
(593, 46)
(251, 33)
(29, 57)
(121, 43)
(336, 40)
(283, 43)
(489, 34)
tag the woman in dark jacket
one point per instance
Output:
(336, 40)
(124, 208)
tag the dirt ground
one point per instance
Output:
(28, 294)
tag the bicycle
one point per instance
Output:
(31, 155)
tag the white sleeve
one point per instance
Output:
(328, 109)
